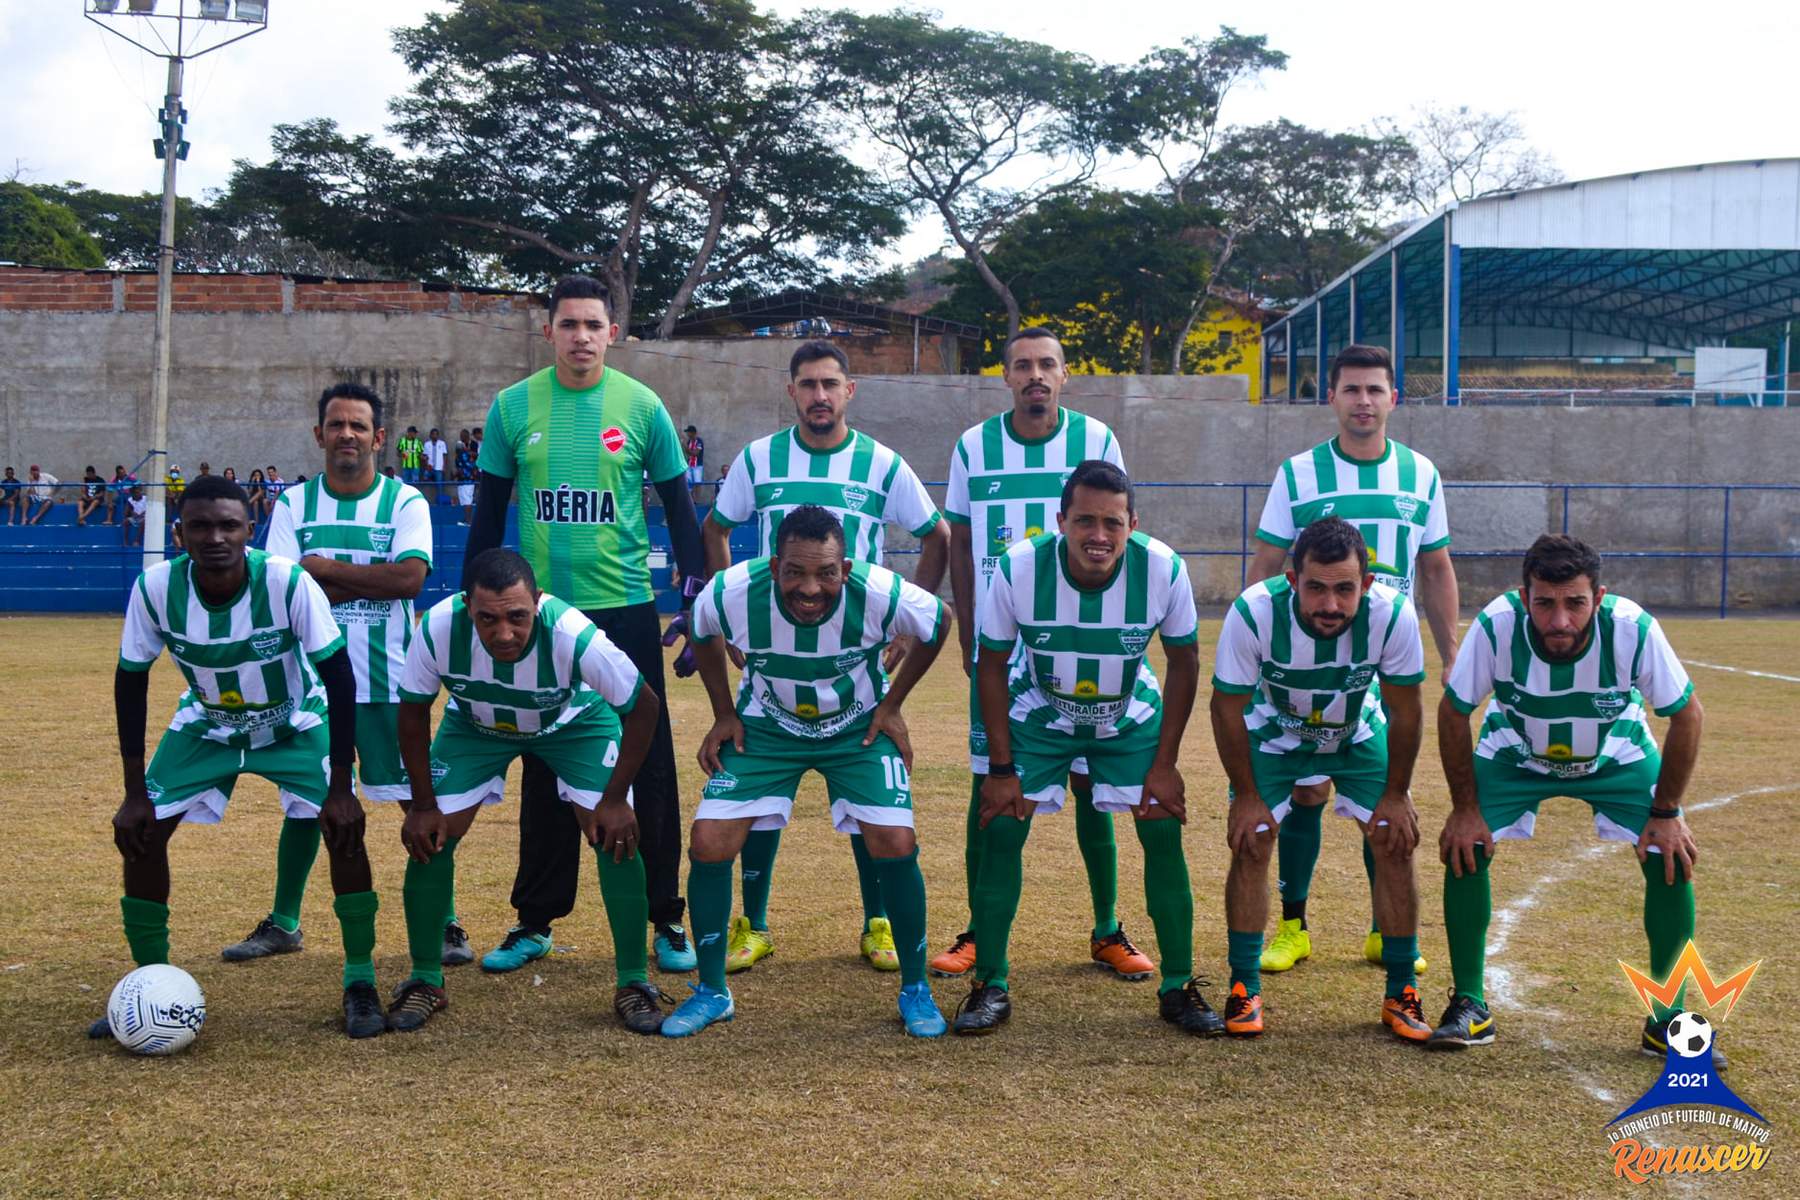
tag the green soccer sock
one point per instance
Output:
(1296, 854)
(974, 843)
(426, 897)
(294, 854)
(758, 856)
(1244, 952)
(1398, 955)
(1170, 899)
(146, 930)
(627, 913)
(1100, 855)
(1369, 870)
(997, 899)
(356, 918)
(709, 908)
(1669, 923)
(903, 893)
(868, 881)
(1468, 906)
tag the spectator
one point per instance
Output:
(174, 483)
(694, 446)
(273, 485)
(259, 499)
(436, 454)
(41, 491)
(91, 496)
(136, 507)
(390, 472)
(475, 434)
(300, 479)
(12, 498)
(412, 453)
(117, 489)
(467, 475)
(205, 469)
(230, 474)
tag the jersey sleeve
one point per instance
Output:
(663, 456)
(736, 501)
(956, 495)
(919, 613)
(282, 539)
(1659, 676)
(1111, 453)
(309, 616)
(140, 641)
(1403, 650)
(999, 623)
(707, 620)
(604, 667)
(1437, 519)
(497, 454)
(909, 504)
(412, 530)
(1472, 678)
(1237, 662)
(1276, 525)
(420, 679)
(1180, 625)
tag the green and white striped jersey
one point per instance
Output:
(1315, 695)
(862, 482)
(1397, 502)
(1081, 668)
(1007, 489)
(1567, 719)
(813, 681)
(248, 661)
(569, 669)
(389, 523)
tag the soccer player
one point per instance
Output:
(411, 449)
(1063, 676)
(1005, 474)
(270, 693)
(578, 438)
(1294, 695)
(1393, 495)
(527, 674)
(1572, 669)
(811, 624)
(366, 540)
(820, 460)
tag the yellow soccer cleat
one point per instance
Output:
(1372, 952)
(878, 945)
(1292, 943)
(746, 946)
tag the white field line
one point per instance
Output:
(1694, 662)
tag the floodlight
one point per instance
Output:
(253, 10)
(143, 6)
(215, 10)
(106, 6)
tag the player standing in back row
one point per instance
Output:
(1393, 495)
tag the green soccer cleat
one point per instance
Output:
(1466, 1022)
(1291, 944)
(745, 946)
(518, 947)
(1372, 952)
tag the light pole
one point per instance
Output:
(198, 27)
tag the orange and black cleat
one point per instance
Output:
(1243, 1012)
(1405, 1017)
(958, 960)
(1116, 953)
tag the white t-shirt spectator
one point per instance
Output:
(136, 507)
(43, 487)
(435, 452)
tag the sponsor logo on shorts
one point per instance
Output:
(978, 743)
(381, 538)
(855, 497)
(1133, 641)
(575, 506)
(722, 781)
(439, 770)
(266, 645)
(613, 438)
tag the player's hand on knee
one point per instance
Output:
(1394, 826)
(889, 721)
(131, 826)
(1003, 796)
(1465, 835)
(612, 826)
(424, 832)
(341, 823)
(1164, 788)
(1249, 826)
(1675, 841)
(725, 729)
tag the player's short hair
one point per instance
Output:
(813, 351)
(1101, 475)
(1330, 540)
(1559, 558)
(1358, 355)
(579, 287)
(350, 391)
(215, 487)
(497, 568)
(1030, 331)
(809, 523)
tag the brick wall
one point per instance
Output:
(41, 289)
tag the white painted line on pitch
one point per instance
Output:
(1694, 662)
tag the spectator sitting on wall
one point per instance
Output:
(436, 454)
(12, 498)
(412, 453)
(258, 497)
(91, 496)
(117, 488)
(42, 492)
(136, 508)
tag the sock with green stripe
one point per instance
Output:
(356, 919)
(1669, 924)
(146, 929)
(1100, 855)
(868, 881)
(426, 898)
(709, 908)
(997, 899)
(1244, 952)
(758, 857)
(1296, 855)
(974, 843)
(295, 851)
(1170, 899)
(1468, 907)
(1369, 870)
(1398, 954)
(627, 913)
(903, 891)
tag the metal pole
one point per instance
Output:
(1787, 346)
(915, 345)
(1355, 312)
(1397, 323)
(156, 520)
(1452, 315)
(1725, 558)
(1319, 351)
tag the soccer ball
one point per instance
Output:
(156, 1010)
(1690, 1034)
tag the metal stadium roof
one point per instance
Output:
(1651, 264)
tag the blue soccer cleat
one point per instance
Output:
(699, 1010)
(674, 950)
(919, 1012)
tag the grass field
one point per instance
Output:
(528, 1087)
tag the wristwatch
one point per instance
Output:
(1003, 770)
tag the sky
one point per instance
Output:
(1603, 87)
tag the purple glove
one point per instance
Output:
(684, 662)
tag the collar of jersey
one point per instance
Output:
(325, 486)
(849, 437)
(598, 386)
(1337, 448)
(227, 605)
(1062, 564)
(1062, 418)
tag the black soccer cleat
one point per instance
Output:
(1655, 1043)
(1186, 1009)
(983, 1010)
(363, 1017)
(1466, 1022)
(639, 1007)
(415, 1002)
(457, 952)
(266, 939)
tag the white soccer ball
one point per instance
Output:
(156, 1010)
(1690, 1035)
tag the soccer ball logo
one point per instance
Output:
(1690, 1035)
(156, 1010)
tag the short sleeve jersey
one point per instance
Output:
(248, 661)
(1396, 502)
(570, 670)
(579, 459)
(1311, 694)
(864, 484)
(1008, 489)
(1082, 669)
(411, 450)
(1567, 720)
(813, 681)
(388, 523)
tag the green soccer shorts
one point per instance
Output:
(1116, 764)
(1358, 771)
(866, 784)
(193, 777)
(978, 742)
(378, 766)
(1620, 795)
(468, 764)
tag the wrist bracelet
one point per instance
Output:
(1003, 770)
(1664, 814)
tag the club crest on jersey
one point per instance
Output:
(266, 645)
(848, 661)
(855, 497)
(546, 699)
(380, 539)
(1358, 679)
(1610, 704)
(613, 438)
(1133, 641)
(1406, 506)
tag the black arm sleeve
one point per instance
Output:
(684, 527)
(340, 700)
(131, 706)
(488, 528)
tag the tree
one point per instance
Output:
(1460, 153)
(34, 230)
